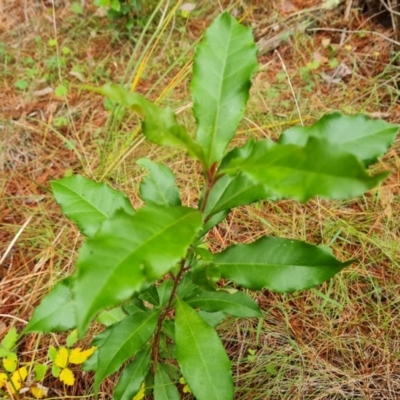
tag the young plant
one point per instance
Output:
(16, 377)
(149, 273)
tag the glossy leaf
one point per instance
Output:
(281, 265)
(110, 317)
(133, 376)
(128, 251)
(366, 138)
(237, 304)
(213, 221)
(158, 187)
(56, 312)
(91, 363)
(206, 276)
(223, 65)
(159, 124)
(238, 190)
(124, 341)
(150, 295)
(301, 173)
(88, 203)
(230, 192)
(201, 356)
(164, 292)
(212, 318)
(164, 389)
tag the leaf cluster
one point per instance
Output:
(147, 275)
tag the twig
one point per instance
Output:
(10, 246)
(13, 317)
(291, 87)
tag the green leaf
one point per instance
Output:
(223, 65)
(76, 8)
(213, 319)
(237, 304)
(72, 338)
(281, 265)
(159, 186)
(186, 287)
(110, 317)
(10, 339)
(164, 389)
(317, 169)
(61, 90)
(159, 124)
(88, 203)
(201, 356)
(55, 370)
(21, 84)
(40, 372)
(206, 276)
(91, 363)
(128, 251)
(150, 295)
(238, 190)
(3, 352)
(133, 376)
(164, 292)
(230, 192)
(169, 328)
(124, 341)
(56, 311)
(52, 353)
(213, 221)
(366, 138)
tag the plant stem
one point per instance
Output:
(156, 342)
(210, 182)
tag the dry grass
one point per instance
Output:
(340, 341)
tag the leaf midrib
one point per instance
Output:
(144, 322)
(198, 350)
(114, 270)
(224, 61)
(84, 200)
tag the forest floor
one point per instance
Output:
(339, 341)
